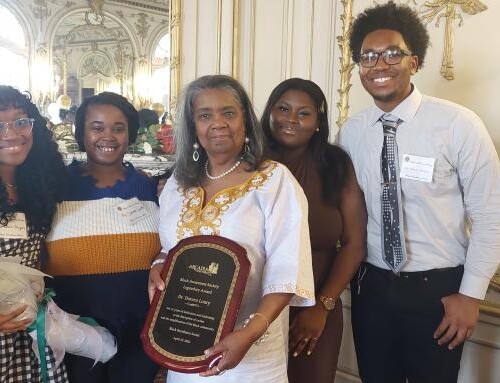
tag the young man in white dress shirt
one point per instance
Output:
(434, 244)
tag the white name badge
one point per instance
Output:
(16, 228)
(417, 168)
(132, 210)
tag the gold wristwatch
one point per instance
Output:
(328, 302)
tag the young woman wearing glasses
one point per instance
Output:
(32, 177)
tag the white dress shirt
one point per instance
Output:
(453, 220)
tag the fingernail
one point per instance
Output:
(295, 354)
(450, 347)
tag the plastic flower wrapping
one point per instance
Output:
(62, 332)
(20, 285)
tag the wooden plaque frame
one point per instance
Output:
(205, 278)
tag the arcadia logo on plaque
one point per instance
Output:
(205, 278)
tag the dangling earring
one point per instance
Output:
(196, 154)
(247, 148)
(317, 129)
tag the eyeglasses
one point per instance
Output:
(20, 126)
(391, 56)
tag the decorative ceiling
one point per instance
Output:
(74, 31)
(158, 5)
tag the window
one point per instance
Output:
(160, 79)
(13, 51)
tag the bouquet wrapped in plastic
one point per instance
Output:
(21, 285)
(70, 333)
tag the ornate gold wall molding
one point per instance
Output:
(218, 37)
(311, 41)
(251, 58)
(235, 71)
(175, 17)
(345, 62)
(450, 10)
(490, 308)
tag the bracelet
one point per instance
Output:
(263, 337)
(158, 261)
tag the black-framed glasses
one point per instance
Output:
(20, 126)
(391, 56)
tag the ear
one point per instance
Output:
(414, 65)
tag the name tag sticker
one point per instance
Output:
(16, 228)
(132, 210)
(417, 168)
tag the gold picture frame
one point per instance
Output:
(175, 25)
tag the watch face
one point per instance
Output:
(328, 302)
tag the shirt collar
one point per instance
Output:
(405, 110)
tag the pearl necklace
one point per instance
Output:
(209, 176)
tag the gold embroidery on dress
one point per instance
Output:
(198, 220)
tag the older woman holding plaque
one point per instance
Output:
(222, 186)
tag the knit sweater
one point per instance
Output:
(99, 259)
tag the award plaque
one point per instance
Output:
(205, 278)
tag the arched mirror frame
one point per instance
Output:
(144, 31)
(42, 17)
(52, 30)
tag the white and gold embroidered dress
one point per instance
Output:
(267, 215)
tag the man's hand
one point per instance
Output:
(460, 317)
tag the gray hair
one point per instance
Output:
(190, 173)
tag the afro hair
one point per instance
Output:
(400, 18)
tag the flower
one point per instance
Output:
(166, 138)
